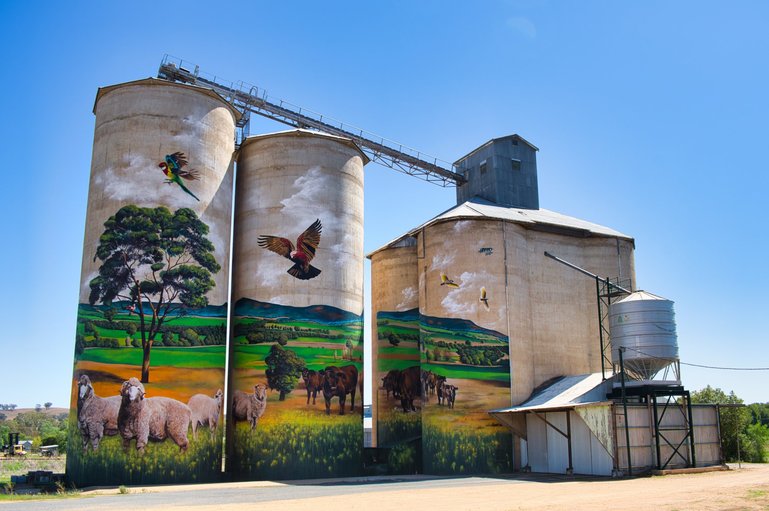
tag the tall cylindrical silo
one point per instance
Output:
(466, 356)
(151, 325)
(297, 353)
(395, 352)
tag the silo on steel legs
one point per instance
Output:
(296, 343)
(397, 383)
(151, 326)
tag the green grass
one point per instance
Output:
(204, 357)
(301, 445)
(395, 427)
(461, 450)
(501, 374)
(161, 463)
(252, 355)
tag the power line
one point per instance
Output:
(701, 365)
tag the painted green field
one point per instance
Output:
(197, 357)
(457, 451)
(386, 364)
(457, 371)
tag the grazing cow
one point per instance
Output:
(409, 386)
(425, 384)
(450, 394)
(338, 382)
(390, 383)
(313, 382)
(441, 391)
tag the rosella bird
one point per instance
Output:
(483, 298)
(446, 281)
(173, 168)
(301, 255)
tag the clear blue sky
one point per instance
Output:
(651, 118)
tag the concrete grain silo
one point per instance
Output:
(395, 349)
(499, 319)
(298, 305)
(154, 282)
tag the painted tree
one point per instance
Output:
(160, 262)
(283, 369)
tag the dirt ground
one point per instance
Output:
(739, 489)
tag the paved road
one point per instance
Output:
(202, 496)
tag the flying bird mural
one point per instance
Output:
(483, 298)
(446, 281)
(301, 254)
(173, 168)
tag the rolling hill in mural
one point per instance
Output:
(298, 391)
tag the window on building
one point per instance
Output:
(515, 141)
(515, 164)
(483, 167)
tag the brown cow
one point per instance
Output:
(409, 386)
(450, 394)
(390, 382)
(313, 382)
(338, 382)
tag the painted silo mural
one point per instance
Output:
(398, 384)
(151, 326)
(297, 332)
(464, 348)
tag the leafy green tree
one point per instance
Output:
(130, 331)
(168, 338)
(759, 413)
(48, 405)
(754, 442)
(109, 314)
(159, 261)
(79, 345)
(734, 419)
(283, 369)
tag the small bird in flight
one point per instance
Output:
(483, 298)
(446, 281)
(301, 255)
(173, 168)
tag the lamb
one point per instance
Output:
(206, 411)
(250, 407)
(151, 418)
(96, 416)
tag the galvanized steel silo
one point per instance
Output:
(154, 286)
(644, 326)
(298, 305)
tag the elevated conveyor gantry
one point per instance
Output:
(250, 99)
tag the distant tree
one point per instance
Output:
(759, 413)
(12, 406)
(168, 338)
(393, 339)
(2, 418)
(282, 339)
(754, 443)
(161, 262)
(79, 344)
(88, 327)
(283, 369)
(130, 331)
(734, 420)
(38, 407)
(109, 314)
(48, 405)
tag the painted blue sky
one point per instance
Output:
(651, 118)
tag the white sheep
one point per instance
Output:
(250, 407)
(205, 411)
(155, 418)
(96, 416)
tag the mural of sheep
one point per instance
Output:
(206, 411)
(96, 416)
(250, 407)
(151, 418)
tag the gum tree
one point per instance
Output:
(160, 262)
